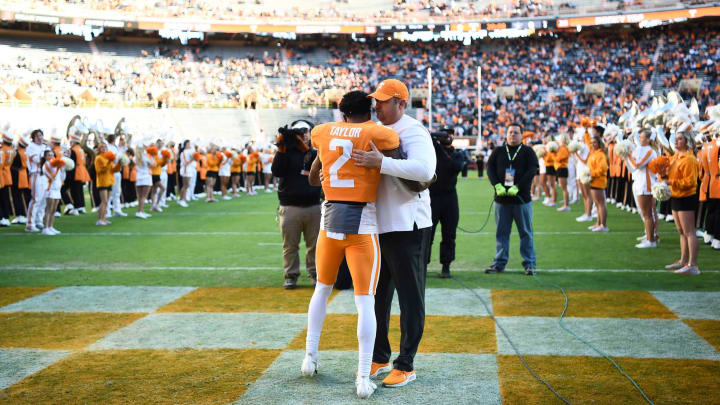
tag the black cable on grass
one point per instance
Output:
(517, 352)
(487, 219)
(600, 352)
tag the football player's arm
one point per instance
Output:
(315, 170)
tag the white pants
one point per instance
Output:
(115, 193)
(572, 180)
(40, 193)
(191, 188)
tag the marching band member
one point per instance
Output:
(105, 169)
(188, 164)
(561, 158)
(36, 208)
(682, 176)
(144, 164)
(711, 165)
(643, 181)
(129, 177)
(7, 155)
(21, 182)
(224, 173)
(598, 165)
(172, 176)
(79, 176)
(202, 169)
(54, 172)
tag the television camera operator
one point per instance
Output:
(299, 210)
(443, 196)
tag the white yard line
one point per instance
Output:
(586, 233)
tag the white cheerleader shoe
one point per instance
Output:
(364, 387)
(716, 244)
(227, 197)
(309, 366)
(645, 244)
(669, 218)
(708, 239)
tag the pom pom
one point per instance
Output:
(584, 175)
(575, 146)
(659, 165)
(124, 160)
(166, 153)
(152, 151)
(109, 156)
(219, 156)
(552, 146)
(69, 164)
(228, 154)
(196, 156)
(624, 148)
(661, 191)
(57, 162)
(539, 151)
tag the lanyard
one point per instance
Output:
(511, 159)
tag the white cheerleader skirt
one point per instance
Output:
(143, 180)
(224, 171)
(640, 188)
(541, 162)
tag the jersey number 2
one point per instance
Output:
(347, 147)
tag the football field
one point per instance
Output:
(187, 307)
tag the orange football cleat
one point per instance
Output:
(398, 378)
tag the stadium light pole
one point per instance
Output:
(480, 141)
(429, 98)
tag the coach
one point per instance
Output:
(405, 223)
(511, 168)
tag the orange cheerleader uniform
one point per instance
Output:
(105, 169)
(683, 174)
(598, 165)
(252, 162)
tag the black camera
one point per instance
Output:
(442, 137)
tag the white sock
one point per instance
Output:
(316, 317)
(366, 329)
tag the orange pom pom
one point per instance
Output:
(109, 156)
(57, 162)
(166, 153)
(228, 153)
(220, 156)
(659, 165)
(152, 151)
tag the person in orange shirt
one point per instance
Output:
(348, 225)
(21, 182)
(236, 171)
(161, 157)
(711, 182)
(172, 173)
(79, 176)
(598, 164)
(253, 159)
(104, 169)
(7, 155)
(214, 159)
(682, 176)
(562, 157)
(550, 200)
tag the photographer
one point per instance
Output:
(299, 209)
(443, 196)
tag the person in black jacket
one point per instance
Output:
(511, 168)
(299, 209)
(443, 198)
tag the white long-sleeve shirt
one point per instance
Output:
(398, 208)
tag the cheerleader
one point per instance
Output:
(160, 159)
(236, 171)
(7, 155)
(129, 178)
(582, 155)
(224, 173)
(550, 147)
(172, 175)
(540, 181)
(213, 159)
(562, 156)
(53, 170)
(682, 175)
(201, 173)
(188, 164)
(144, 164)
(251, 169)
(598, 165)
(105, 169)
(643, 181)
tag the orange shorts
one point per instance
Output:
(363, 258)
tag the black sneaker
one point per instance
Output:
(529, 271)
(445, 273)
(290, 284)
(494, 269)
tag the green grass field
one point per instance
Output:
(237, 243)
(187, 307)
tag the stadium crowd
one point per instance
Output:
(546, 75)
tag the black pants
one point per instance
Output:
(128, 191)
(446, 211)
(712, 220)
(5, 207)
(403, 268)
(480, 165)
(95, 194)
(21, 199)
(77, 193)
(171, 183)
